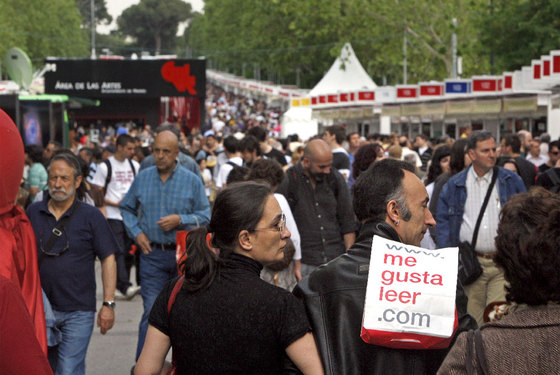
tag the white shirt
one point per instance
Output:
(538, 161)
(290, 224)
(407, 151)
(225, 169)
(427, 241)
(121, 180)
(476, 191)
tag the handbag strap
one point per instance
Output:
(468, 354)
(170, 303)
(482, 364)
(484, 204)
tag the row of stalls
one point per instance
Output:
(92, 93)
(525, 99)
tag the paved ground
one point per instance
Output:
(114, 352)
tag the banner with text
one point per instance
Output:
(126, 78)
(410, 296)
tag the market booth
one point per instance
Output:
(141, 91)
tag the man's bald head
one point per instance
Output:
(317, 160)
(316, 148)
(166, 149)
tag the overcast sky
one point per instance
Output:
(116, 7)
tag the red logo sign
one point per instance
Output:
(366, 95)
(406, 93)
(484, 85)
(508, 82)
(546, 68)
(427, 90)
(179, 76)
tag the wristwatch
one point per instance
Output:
(110, 304)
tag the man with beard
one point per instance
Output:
(70, 235)
(321, 205)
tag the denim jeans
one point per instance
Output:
(69, 357)
(156, 269)
(123, 274)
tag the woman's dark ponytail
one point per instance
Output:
(201, 264)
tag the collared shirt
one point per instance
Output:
(149, 199)
(322, 215)
(539, 160)
(69, 279)
(476, 191)
(185, 160)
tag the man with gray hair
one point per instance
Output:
(70, 235)
(391, 202)
(459, 205)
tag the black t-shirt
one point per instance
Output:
(276, 155)
(546, 182)
(239, 325)
(340, 161)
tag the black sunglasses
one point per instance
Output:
(58, 233)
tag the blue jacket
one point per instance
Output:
(451, 203)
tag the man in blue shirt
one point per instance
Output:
(67, 267)
(161, 200)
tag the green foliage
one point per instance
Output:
(100, 12)
(42, 28)
(282, 37)
(154, 23)
(517, 31)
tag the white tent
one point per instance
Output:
(346, 74)
(298, 120)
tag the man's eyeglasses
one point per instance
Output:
(555, 153)
(280, 227)
(56, 252)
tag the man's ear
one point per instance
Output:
(305, 162)
(78, 182)
(244, 240)
(393, 211)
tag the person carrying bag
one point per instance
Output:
(469, 266)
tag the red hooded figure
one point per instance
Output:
(18, 248)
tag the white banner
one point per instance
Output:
(410, 291)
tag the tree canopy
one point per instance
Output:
(42, 28)
(154, 23)
(289, 37)
(100, 12)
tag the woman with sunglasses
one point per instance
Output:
(225, 319)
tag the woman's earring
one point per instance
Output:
(397, 223)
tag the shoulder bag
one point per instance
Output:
(469, 266)
(172, 297)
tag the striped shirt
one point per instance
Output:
(149, 199)
(476, 191)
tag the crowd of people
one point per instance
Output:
(278, 232)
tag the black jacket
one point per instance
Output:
(334, 298)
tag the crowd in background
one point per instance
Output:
(240, 141)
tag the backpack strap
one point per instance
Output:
(109, 174)
(132, 167)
